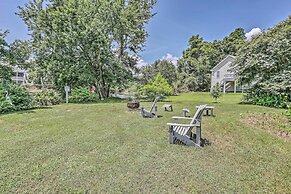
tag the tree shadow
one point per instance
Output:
(28, 111)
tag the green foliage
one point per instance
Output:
(264, 63)
(185, 83)
(158, 87)
(4, 47)
(201, 56)
(82, 95)
(216, 91)
(288, 112)
(164, 67)
(46, 98)
(132, 91)
(261, 97)
(5, 71)
(18, 98)
(88, 42)
(20, 53)
(5, 104)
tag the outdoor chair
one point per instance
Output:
(152, 112)
(182, 133)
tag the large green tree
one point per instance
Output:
(5, 70)
(265, 61)
(201, 56)
(87, 42)
(166, 68)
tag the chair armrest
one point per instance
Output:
(181, 125)
(186, 118)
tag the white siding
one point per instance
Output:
(223, 70)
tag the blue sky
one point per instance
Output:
(177, 20)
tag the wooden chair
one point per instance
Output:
(182, 133)
(152, 112)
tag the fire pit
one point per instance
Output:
(133, 104)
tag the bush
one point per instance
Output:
(82, 95)
(158, 87)
(258, 97)
(18, 98)
(46, 98)
(216, 92)
(133, 91)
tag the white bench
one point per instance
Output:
(185, 111)
(168, 107)
(207, 109)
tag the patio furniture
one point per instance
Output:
(209, 110)
(182, 133)
(168, 107)
(185, 111)
(152, 112)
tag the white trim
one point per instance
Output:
(221, 63)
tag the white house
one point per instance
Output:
(223, 75)
(20, 75)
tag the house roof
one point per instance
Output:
(223, 62)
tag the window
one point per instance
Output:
(217, 74)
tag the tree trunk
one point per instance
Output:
(103, 90)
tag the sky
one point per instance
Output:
(177, 20)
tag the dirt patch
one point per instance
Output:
(276, 124)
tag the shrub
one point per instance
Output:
(82, 95)
(216, 91)
(133, 91)
(259, 97)
(158, 87)
(5, 104)
(46, 97)
(18, 98)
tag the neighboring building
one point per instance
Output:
(223, 75)
(20, 75)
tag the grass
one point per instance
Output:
(106, 148)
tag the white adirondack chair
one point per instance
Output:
(182, 133)
(152, 112)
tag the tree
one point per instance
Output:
(5, 70)
(21, 53)
(164, 67)
(265, 61)
(216, 91)
(201, 56)
(87, 42)
(158, 87)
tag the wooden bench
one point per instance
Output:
(168, 107)
(185, 111)
(208, 109)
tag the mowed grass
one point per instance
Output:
(104, 148)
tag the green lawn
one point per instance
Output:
(106, 148)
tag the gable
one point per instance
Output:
(225, 61)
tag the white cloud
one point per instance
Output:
(171, 58)
(254, 31)
(141, 63)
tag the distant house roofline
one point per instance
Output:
(221, 63)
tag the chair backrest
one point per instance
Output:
(198, 113)
(154, 103)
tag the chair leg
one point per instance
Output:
(171, 135)
(198, 135)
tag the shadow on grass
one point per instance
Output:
(144, 100)
(107, 100)
(28, 111)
